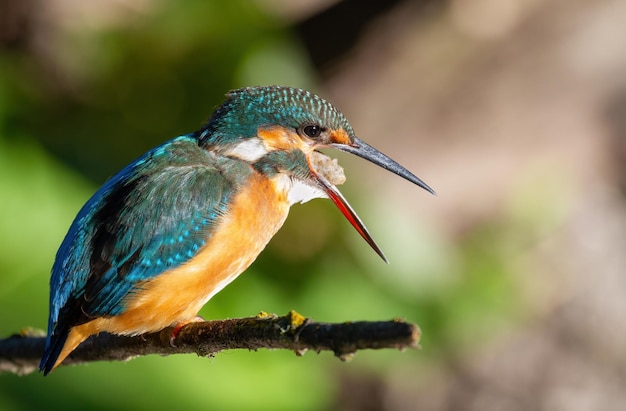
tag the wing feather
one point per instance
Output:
(152, 216)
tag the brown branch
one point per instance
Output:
(20, 354)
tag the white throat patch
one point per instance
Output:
(250, 150)
(302, 192)
(297, 191)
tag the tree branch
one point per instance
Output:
(20, 354)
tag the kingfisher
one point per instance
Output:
(179, 223)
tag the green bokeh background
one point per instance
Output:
(117, 92)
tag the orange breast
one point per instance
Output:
(177, 295)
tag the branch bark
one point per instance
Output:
(20, 354)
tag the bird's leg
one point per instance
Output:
(179, 326)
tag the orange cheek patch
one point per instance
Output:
(280, 138)
(340, 137)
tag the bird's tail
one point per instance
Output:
(59, 345)
(54, 345)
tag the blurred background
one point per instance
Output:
(513, 111)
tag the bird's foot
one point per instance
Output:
(179, 326)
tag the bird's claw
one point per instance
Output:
(178, 327)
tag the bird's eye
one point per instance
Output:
(313, 130)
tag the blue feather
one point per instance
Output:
(152, 216)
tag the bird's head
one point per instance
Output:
(278, 130)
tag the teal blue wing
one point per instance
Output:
(152, 216)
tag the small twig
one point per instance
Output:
(20, 354)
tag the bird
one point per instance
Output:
(171, 229)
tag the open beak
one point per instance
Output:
(342, 204)
(364, 150)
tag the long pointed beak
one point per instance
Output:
(364, 150)
(342, 204)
